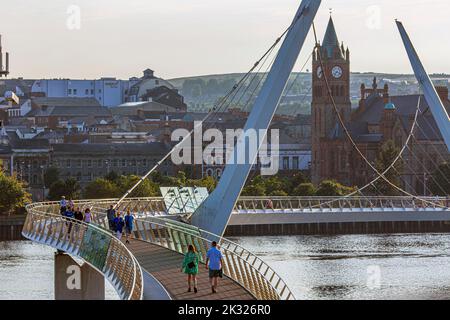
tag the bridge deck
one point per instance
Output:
(165, 266)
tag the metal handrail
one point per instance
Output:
(240, 265)
(279, 203)
(44, 226)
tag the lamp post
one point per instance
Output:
(107, 166)
(43, 182)
(425, 184)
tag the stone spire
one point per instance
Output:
(331, 43)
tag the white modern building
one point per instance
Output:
(109, 92)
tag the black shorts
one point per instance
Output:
(215, 273)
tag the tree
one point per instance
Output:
(385, 158)
(51, 175)
(161, 180)
(13, 195)
(304, 190)
(294, 182)
(147, 188)
(207, 182)
(112, 176)
(70, 189)
(440, 183)
(274, 186)
(255, 190)
(331, 188)
(278, 193)
(255, 187)
(101, 189)
(181, 179)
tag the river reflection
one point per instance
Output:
(359, 266)
(335, 267)
(26, 272)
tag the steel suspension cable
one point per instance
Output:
(344, 127)
(211, 112)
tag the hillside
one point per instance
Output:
(202, 92)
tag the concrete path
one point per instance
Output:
(165, 266)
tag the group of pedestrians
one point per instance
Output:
(68, 210)
(214, 263)
(118, 224)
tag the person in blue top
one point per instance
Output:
(63, 205)
(118, 225)
(111, 214)
(129, 224)
(71, 215)
(214, 262)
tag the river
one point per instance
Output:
(326, 267)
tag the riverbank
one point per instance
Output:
(11, 227)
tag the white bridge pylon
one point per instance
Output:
(214, 213)
(431, 96)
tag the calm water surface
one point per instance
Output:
(359, 267)
(337, 267)
(26, 272)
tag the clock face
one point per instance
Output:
(337, 72)
(319, 72)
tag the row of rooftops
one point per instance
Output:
(374, 106)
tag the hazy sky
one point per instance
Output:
(195, 37)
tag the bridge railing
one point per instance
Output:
(333, 203)
(240, 265)
(156, 205)
(89, 242)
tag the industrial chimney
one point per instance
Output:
(4, 70)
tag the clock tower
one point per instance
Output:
(324, 121)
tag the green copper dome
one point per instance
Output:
(389, 106)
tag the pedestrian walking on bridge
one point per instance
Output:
(214, 262)
(129, 225)
(111, 214)
(190, 267)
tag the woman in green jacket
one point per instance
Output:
(190, 266)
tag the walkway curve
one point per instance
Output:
(246, 275)
(89, 242)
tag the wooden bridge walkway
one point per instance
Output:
(165, 266)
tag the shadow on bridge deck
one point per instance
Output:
(165, 266)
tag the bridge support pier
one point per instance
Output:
(77, 282)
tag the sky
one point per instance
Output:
(87, 39)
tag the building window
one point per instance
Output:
(86, 92)
(92, 91)
(69, 91)
(89, 163)
(343, 160)
(124, 162)
(68, 163)
(78, 163)
(295, 163)
(75, 92)
(285, 163)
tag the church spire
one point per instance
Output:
(330, 41)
